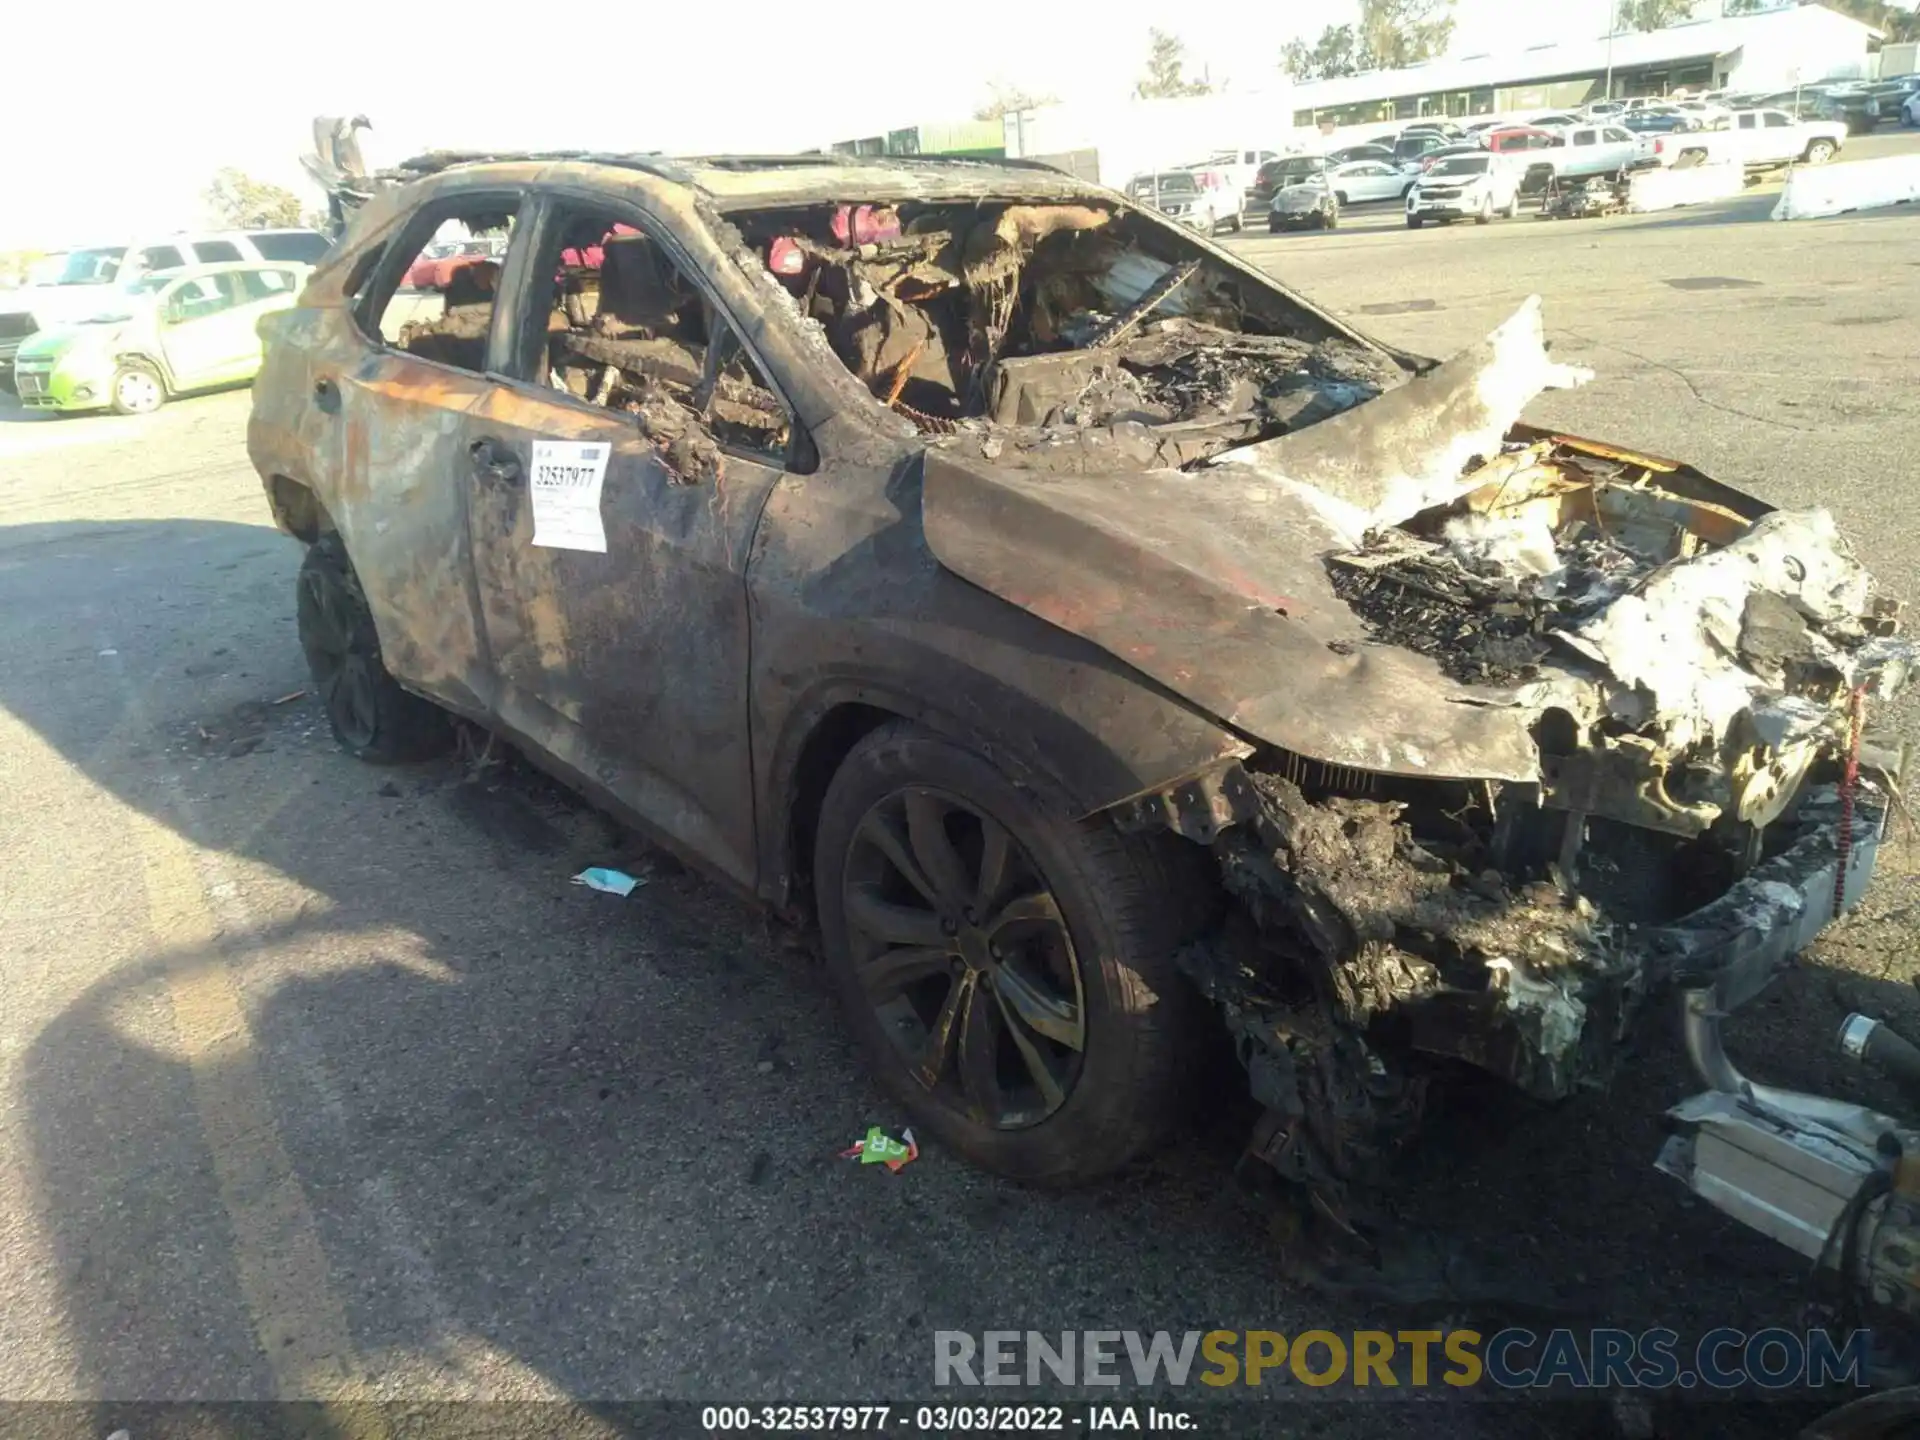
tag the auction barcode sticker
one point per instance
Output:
(565, 490)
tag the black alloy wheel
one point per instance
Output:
(1007, 962)
(965, 957)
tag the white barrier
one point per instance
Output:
(1670, 187)
(1816, 190)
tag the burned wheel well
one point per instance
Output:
(298, 510)
(827, 745)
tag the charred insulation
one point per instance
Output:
(1014, 316)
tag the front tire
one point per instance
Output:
(1413, 222)
(1007, 968)
(1485, 217)
(372, 718)
(137, 389)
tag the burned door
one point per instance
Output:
(616, 478)
(390, 393)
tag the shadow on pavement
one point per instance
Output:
(551, 1138)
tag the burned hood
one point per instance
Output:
(1216, 586)
(1418, 584)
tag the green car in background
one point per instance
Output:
(160, 336)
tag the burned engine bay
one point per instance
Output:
(1687, 670)
(998, 323)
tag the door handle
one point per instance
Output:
(326, 395)
(493, 461)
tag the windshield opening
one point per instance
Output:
(90, 267)
(1462, 165)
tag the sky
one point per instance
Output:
(134, 114)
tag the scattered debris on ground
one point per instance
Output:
(608, 881)
(880, 1148)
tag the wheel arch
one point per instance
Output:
(823, 728)
(297, 509)
(153, 361)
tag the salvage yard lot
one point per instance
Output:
(1758, 202)
(318, 1075)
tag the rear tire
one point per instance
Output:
(372, 718)
(1090, 955)
(1819, 152)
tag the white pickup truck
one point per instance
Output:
(1757, 139)
(1594, 149)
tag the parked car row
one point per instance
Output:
(1604, 138)
(157, 336)
(87, 278)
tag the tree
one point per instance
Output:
(1652, 14)
(1391, 34)
(1900, 22)
(1335, 53)
(1395, 33)
(1004, 99)
(1166, 59)
(244, 203)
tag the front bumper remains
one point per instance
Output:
(1355, 962)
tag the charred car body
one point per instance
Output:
(1076, 622)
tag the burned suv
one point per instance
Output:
(1090, 634)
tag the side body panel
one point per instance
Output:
(628, 666)
(850, 606)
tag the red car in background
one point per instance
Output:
(1521, 137)
(437, 263)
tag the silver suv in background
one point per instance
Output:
(1466, 187)
(70, 292)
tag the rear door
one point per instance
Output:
(1374, 181)
(1625, 144)
(1583, 153)
(1780, 136)
(384, 412)
(615, 479)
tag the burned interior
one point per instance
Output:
(1026, 317)
(625, 329)
(628, 330)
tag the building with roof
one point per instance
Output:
(1110, 140)
(1772, 50)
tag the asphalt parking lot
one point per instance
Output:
(321, 1081)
